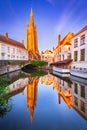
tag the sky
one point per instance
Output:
(52, 17)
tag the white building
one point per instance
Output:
(63, 49)
(62, 55)
(79, 95)
(79, 49)
(11, 49)
(48, 56)
(18, 86)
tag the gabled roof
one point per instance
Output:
(65, 40)
(11, 41)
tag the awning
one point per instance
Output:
(67, 61)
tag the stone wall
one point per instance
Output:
(9, 68)
(5, 67)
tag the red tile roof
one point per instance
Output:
(11, 41)
(65, 40)
(67, 43)
(62, 62)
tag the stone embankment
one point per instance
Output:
(6, 67)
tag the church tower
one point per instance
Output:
(32, 39)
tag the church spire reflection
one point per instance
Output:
(32, 93)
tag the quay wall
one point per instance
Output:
(5, 67)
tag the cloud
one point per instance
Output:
(66, 17)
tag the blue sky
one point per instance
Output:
(52, 17)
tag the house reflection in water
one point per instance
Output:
(32, 93)
(31, 85)
(73, 93)
(79, 91)
(62, 89)
(17, 86)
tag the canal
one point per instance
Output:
(42, 101)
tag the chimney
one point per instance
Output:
(23, 42)
(59, 38)
(6, 34)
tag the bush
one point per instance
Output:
(38, 63)
(10, 62)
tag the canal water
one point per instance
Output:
(42, 101)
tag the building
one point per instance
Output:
(63, 49)
(79, 49)
(71, 91)
(79, 92)
(48, 56)
(17, 86)
(61, 88)
(62, 55)
(11, 49)
(32, 39)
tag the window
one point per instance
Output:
(13, 56)
(76, 43)
(76, 101)
(17, 50)
(3, 48)
(17, 57)
(63, 57)
(2, 56)
(59, 57)
(75, 55)
(82, 40)
(82, 106)
(83, 91)
(8, 49)
(76, 88)
(23, 57)
(8, 56)
(68, 48)
(69, 56)
(13, 50)
(63, 83)
(82, 55)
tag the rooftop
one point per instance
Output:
(9, 41)
(67, 61)
(82, 30)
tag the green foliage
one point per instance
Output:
(4, 107)
(38, 63)
(4, 81)
(10, 62)
(38, 73)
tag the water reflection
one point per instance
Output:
(79, 94)
(61, 87)
(32, 93)
(72, 92)
(10, 85)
